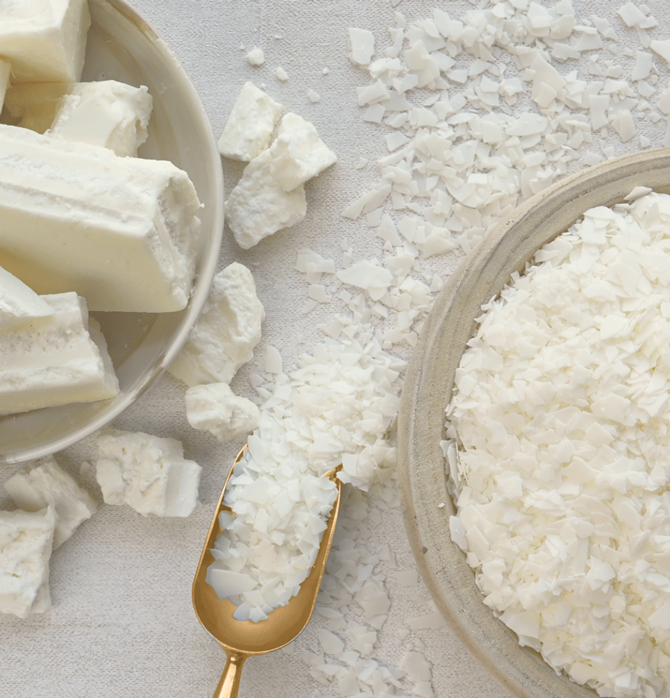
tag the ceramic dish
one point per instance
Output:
(122, 46)
(428, 388)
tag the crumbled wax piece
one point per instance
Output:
(269, 195)
(55, 360)
(361, 46)
(226, 332)
(298, 154)
(60, 228)
(26, 540)
(44, 41)
(5, 72)
(44, 483)
(18, 302)
(258, 206)
(281, 74)
(107, 113)
(215, 408)
(250, 124)
(313, 96)
(148, 473)
(256, 56)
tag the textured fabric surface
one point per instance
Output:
(122, 622)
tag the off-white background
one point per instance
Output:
(122, 622)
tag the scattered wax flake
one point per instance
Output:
(662, 48)
(273, 360)
(643, 65)
(313, 96)
(318, 293)
(361, 46)
(281, 74)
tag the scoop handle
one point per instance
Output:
(229, 683)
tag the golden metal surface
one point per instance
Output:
(242, 639)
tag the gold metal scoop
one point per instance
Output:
(242, 639)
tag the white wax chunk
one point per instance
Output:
(44, 40)
(226, 332)
(215, 408)
(120, 231)
(42, 483)
(25, 549)
(148, 473)
(55, 360)
(108, 113)
(247, 131)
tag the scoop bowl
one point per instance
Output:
(243, 639)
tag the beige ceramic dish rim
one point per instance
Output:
(428, 385)
(157, 350)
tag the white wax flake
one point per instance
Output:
(313, 265)
(361, 46)
(313, 96)
(273, 360)
(553, 525)
(256, 57)
(367, 276)
(643, 65)
(281, 74)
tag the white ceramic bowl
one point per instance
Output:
(122, 46)
(427, 391)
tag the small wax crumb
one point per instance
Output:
(362, 162)
(325, 71)
(441, 505)
(313, 96)
(256, 56)
(281, 74)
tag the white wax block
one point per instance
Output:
(5, 71)
(215, 408)
(55, 360)
(25, 549)
(42, 483)
(44, 40)
(148, 473)
(251, 121)
(120, 231)
(108, 113)
(34, 104)
(298, 154)
(18, 302)
(258, 206)
(226, 332)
